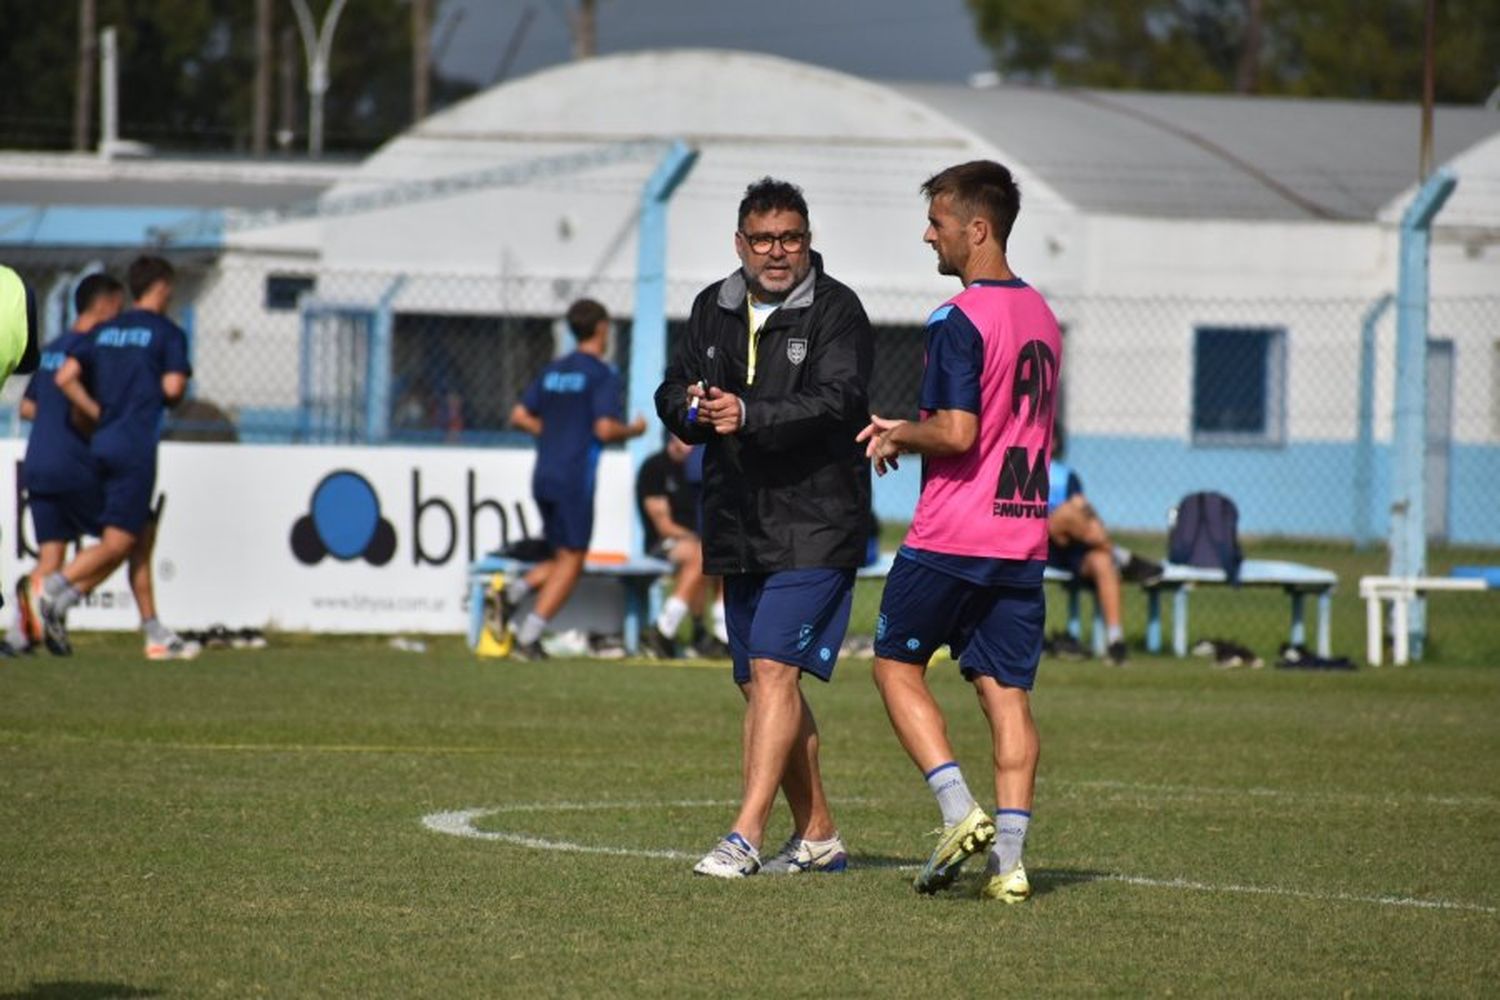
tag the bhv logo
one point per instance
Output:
(343, 521)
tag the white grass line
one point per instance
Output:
(1229, 791)
(460, 823)
(1269, 890)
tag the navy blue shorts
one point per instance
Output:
(567, 524)
(796, 616)
(65, 517)
(128, 488)
(993, 631)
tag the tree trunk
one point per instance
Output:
(261, 127)
(1247, 80)
(88, 58)
(585, 30)
(421, 54)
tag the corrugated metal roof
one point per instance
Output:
(1209, 156)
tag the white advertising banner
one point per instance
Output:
(324, 539)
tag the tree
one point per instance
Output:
(187, 72)
(1318, 48)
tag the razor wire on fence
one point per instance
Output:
(1283, 404)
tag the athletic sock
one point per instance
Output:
(721, 630)
(156, 632)
(1122, 556)
(672, 613)
(1116, 633)
(947, 783)
(517, 589)
(531, 629)
(62, 594)
(1010, 840)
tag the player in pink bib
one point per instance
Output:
(970, 573)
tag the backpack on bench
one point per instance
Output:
(1205, 533)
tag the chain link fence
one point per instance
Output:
(1284, 404)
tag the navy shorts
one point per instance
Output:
(128, 488)
(567, 524)
(796, 616)
(66, 517)
(992, 631)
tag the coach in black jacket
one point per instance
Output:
(772, 376)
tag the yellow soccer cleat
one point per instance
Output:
(1012, 887)
(956, 844)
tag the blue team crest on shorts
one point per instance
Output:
(825, 654)
(913, 644)
(880, 626)
(804, 637)
(796, 350)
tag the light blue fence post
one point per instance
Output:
(648, 335)
(1364, 442)
(1408, 480)
(378, 366)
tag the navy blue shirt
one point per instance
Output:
(569, 395)
(57, 455)
(124, 361)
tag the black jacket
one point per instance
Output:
(791, 489)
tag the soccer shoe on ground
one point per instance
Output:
(797, 856)
(956, 844)
(1012, 887)
(709, 647)
(656, 645)
(28, 609)
(174, 648)
(1116, 655)
(54, 628)
(531, 652)
(732, 857)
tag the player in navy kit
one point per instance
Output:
(62, 490)
(573, 408)
(122, 378)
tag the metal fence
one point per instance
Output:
(1285, 405)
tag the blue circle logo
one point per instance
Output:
(913, 644)
(825, 654)
(344, 521)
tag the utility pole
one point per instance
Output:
(88, 55)
(585, 29)
(286, 128)
(316, 45)
(1429, 31)
(261, 127)
(1247, 80)
(421, 56)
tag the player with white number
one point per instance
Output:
(970, 573)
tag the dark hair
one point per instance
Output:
(146, 271)
(584, 317)
(770, 195)
(980, 187)
(92, 288)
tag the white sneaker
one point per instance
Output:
(174, 648)
(732, 858)
(797, 856)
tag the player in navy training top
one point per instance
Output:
(573, 408)
(123, 377)
(62, 490)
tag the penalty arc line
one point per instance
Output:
(460, 823)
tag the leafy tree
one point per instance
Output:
(187, 71)
(1322, 48)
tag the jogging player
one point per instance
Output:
(771, 374)
(572, 408)
(122, 378)
(970, 573)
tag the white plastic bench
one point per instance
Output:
(1400, 591)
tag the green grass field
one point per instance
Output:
(252, 824)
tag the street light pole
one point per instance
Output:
(316, 44)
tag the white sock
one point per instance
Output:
(672, 613)
(517, 589)
(1010, 840)
(947, 783)
(721, 630)
(531, 629)
(1115, 633)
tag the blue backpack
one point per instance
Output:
(1206, 533)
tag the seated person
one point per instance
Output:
(1080, 544)
(667, 498)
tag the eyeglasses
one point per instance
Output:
(761, 243)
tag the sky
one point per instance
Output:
(881, 39)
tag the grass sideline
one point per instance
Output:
(250, 825)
